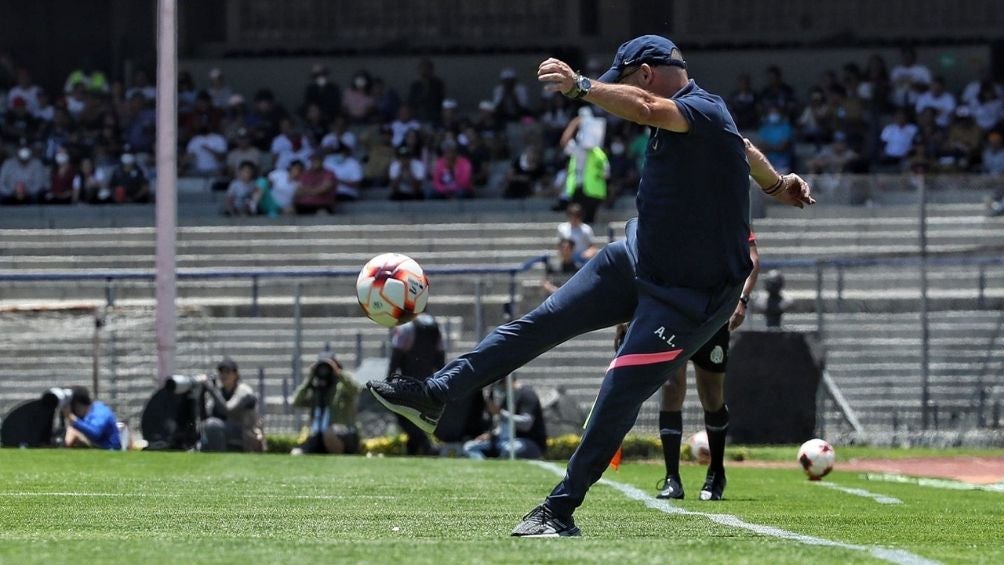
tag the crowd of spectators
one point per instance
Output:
(93, 141)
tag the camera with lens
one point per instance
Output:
(324, 372)
(58, 398)
(170, 418)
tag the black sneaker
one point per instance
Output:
(670, 487)
(407, 397)
(714, 485)
(542, 523)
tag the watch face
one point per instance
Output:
(585, 83)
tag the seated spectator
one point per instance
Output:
(558, 112)
(232, 413)
(816, 120)
(379, 155)
(89, 184)
(530, 441)
(289, 145)
(45, 110)
(23, 178)
(833, 158)
(218, 89)
(90, 423)
(243, 192)
(509, 99)
(776, 137)
(778, 93)
(61, 187)
(323, 92)
(205, 153)
(484, 120)
(139, 125)
(277, 198)
(939, 99)
(347, 170)
(909, 79)
(961, 149)
(315, 124)
(989, 109)
(897, 139)
(415, 142)
(744, 105)
(141, 85)
(76, 99)
(557, 271)
(187, 94)
(128, 183)
(331, 395)
(451, 176)
(265, 118)
(525, 174)
(404, 123)
(203, 116)
(407, 176)
(473, 147)
(316, 192)
(450, 119)
(579, 232)
(244, 151)
(993, 155)
(24, 90)
(235, 119)
(338, 134)
(357, 102)
(929, 133)
(18, 123)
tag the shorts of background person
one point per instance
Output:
(220, 435)
(336, 439)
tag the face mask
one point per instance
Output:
(321, 80)
(62, 158)
(774, 118)
(617, 148)
(24, 154)
(360, 82)
(128, 158)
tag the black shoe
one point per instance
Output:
(542, 523)
(408, 397)
(714, 485)
(670, 487)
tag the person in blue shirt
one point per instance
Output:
(677, 277)
(90, 423)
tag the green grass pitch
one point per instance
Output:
(91, 507)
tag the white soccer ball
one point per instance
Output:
(816, 457)
(700, 449)
(392, 289)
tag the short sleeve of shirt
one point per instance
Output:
(701, 113)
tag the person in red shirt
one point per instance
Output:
(317, 188)
(61, 187)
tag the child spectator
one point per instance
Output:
(282, 186)
(243, 193)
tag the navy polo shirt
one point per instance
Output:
(693, 199)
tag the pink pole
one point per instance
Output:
(167, 135)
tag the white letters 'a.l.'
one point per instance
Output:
(661, 332)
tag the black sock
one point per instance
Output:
(670, 432)
(717, 424)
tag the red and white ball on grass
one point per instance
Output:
(816, 457)
(392, 289)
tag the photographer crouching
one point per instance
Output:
(231, 422)
(89, 423)
(331, 395)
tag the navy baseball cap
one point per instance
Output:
(651, 49)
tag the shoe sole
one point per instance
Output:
(569, 534)
(410, 413)
(670, 497)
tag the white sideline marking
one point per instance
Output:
(175, 495)
(880, 498)
(933, 483)
(899, 556)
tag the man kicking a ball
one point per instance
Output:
(677, 276)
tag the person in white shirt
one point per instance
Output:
(338, 133)
(403, 124)
(290, 145)
(579, 233)
(938, 98)
(897, 138)
(218, 90)
(908, 79)
(283, 184)
(407, 175)
(205, 152)
(989, 108)
(347, 171)
(141, 84)
(24, 90)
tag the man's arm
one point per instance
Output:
(628, 102)
(740, 314)
(789, 189)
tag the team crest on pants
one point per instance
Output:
(717, 355)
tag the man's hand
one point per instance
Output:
(737, 317)
(794, 191)
(556, 75)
